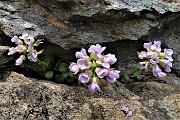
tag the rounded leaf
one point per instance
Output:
(64, 75)
(70, 74)
(49, 74)
(63, 67)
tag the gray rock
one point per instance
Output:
(169, 35)
(3, 51)
(28, 98)
(72, 24)
(78, 23)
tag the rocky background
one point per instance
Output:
(67, 25)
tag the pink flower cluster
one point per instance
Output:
(155, 59)
(25, 46)
(94, 68)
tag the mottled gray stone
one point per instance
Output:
(169, 35)
(28, 98)
(72, 24)
(79, 23)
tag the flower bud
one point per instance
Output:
(93, 56)
(39, 41)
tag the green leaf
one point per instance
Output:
(63, 67)
(58, 64)
(59, 79)
(42, 63)
(137, 72)
(49, 74)
(137, 67)
(70, 74)
(49, 60)
(41, 51)
(125, 78)
(29, 57)
(64, 75)
(150, 67)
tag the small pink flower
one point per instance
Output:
(27, 39)
(24, 36)
(110, 58)
(20, 48)
(19, 61)
(96, 49)
(81, 54)
(167, 65)
(168, 52)
(34, 55)
(30, 47)
(156, 46)
(12, 51)
(156, 70)
(103, 61)
(149, 53)
(147, 46)
(144, 65)
(101, 73)
(84, 77)
(113, 75)
(74, 67)
(84, 63)
(130, 113)
(161, 75)
(124, 108)
(154, 59)
(106, 60)
(142, 55)
(15, 39)
(94, 87)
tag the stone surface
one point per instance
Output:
(72, 24)
(4, 45)
(78, 23)
(169, 34)
(67, 25)
(28, 98)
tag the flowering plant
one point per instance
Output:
(156, 60)
(25, 46)
(52, 68)
(94, 69)
(128, 112)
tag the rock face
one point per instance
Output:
(78, 23)
(120, 25)
(27, 98)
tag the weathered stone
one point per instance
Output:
(76, 24)
(27, 98)
(3, 49)
(72, 24)
(169, 34)
(122, 26)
